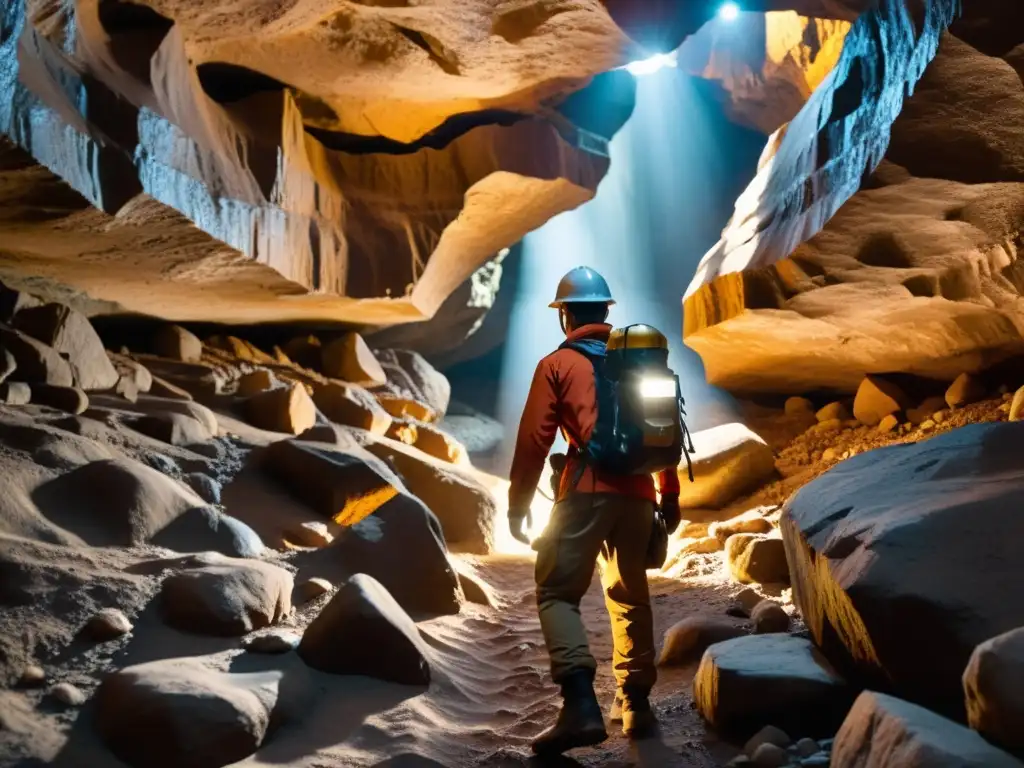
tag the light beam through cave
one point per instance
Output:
(676, 168)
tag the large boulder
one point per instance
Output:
(351, 406)
(114, 502)
(177, 343)
(287, 409)
(177, 712)
(72, 335)
(754, 559)
(877, 398)
(363, 631)
(344, 484)
(749, 682)
(226, 596)
(884, 732)
(207, 529)
(401, 545)
(729, 461)
(411, 376)
(133, 371)
(348, 359)
(902, 558)
(37, 363)
(994, 690)
(466, 508)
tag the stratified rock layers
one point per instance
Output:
(917, 273)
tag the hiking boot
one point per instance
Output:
(579, 724)
(638, 719)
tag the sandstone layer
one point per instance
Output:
(916, 273)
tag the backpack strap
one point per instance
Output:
(595, 351)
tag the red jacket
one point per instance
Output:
(562, 396)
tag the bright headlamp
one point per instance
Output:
(657, 387)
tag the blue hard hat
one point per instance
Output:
(582, 285)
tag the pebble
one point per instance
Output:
(770, 756)
(313, 588)
(927, 425)
(807, 747)
(768, 617)
(767, 735)
(32, 676)
(108, 624)
(815, 760)
(68, 694)
(829, 454)
(278, 642)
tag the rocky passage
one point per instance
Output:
(199, 566)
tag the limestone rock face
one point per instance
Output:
(917, 271)
(900, 558)
(305, 145)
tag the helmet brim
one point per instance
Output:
(559, 302)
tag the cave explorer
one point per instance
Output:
(611, 515)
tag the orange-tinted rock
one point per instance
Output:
(351, 406)
(285, 409)
(349, 359)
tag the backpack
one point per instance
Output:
(640, 427)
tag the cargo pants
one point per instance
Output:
(583, 528)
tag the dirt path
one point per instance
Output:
(524, 701)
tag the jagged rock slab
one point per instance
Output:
(884, 732)
(901, 558)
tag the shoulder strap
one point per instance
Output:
(589, 348)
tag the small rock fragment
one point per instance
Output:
(964, 390)
(768, 616)
(927, 425)
(756, 559)
(686, 640)
(795, 406)
(310, 534)
(877, 398)
(829, 454)
(1017, 405)
(807, 747)
(768, 735)
(770, 756)
(287, 409)
(176, 343)
(833, 411)
(208, 489)
(33, 675)
(349, 359)
(925, 409)
(257, 381)
(311, 589)
(15, 393)
(704, 546)
(272, 642)
(68, 694)
(70, 399)
(888, 424)
(108, 624)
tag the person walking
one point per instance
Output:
(597, 515)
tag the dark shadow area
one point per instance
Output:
(228, 83)
(604, 105)
(136, 32)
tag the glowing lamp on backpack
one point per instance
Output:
(657, 386)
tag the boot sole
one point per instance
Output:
(584, 739)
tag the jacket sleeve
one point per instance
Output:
(537, 429)
(668, 482)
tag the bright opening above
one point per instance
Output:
(651, 65)
(729, 12)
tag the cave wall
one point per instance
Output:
(918, 272)
(352, 162)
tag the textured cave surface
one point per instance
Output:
(918, 272)
(349, 162)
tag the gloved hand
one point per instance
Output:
(519, 519)
(669, 510)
